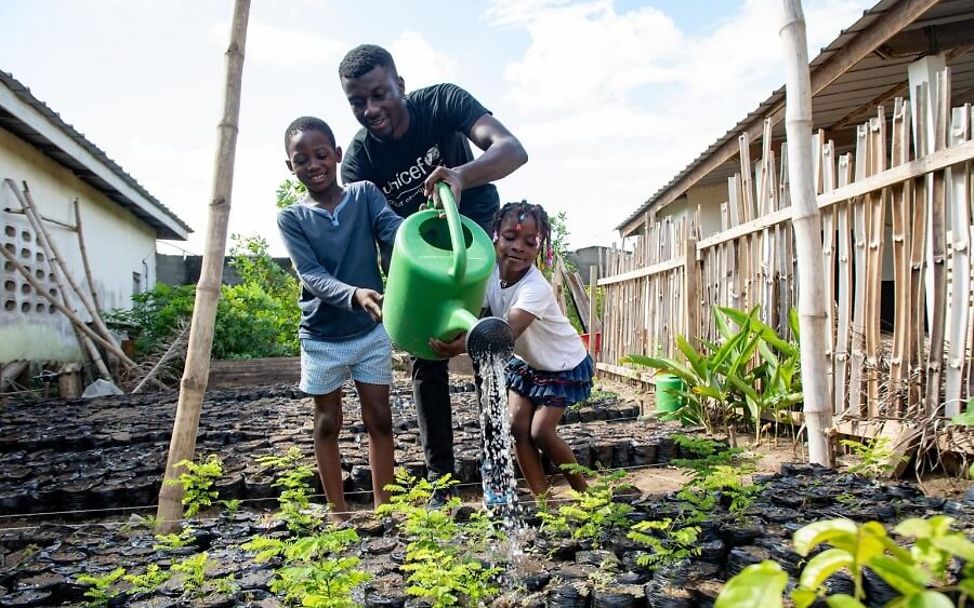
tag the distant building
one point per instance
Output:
(121, 222)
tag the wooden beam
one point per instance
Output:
(838, 63)
(643, 272)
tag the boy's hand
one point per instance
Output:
(443, 174)
(449, 349)
(370, 301)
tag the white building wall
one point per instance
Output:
(118, 244)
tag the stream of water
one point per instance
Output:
(497, 467)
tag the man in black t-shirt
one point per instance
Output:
(409, 143)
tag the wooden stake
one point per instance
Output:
(901, 203)
(53, 301)
(84, 256)
(27, 200)
(960, 292)
(938, 236)
(918, 247)
(87, 346)
(193, 384)
(875, 205)
(844, 294)
(808, 236)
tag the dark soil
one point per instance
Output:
(105, 453)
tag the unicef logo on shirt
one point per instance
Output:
(432, 155)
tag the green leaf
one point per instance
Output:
(803, 597)
(955, 544)
(824, 565)
(964, 419)
(814, 534)
(756, 586)
(905, 578)
(929, 599)
(843, 601)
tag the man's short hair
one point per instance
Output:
(307, 123)
(363, 59)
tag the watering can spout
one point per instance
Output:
(490, 337)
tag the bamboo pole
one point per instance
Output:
(844, 292)
(960, 292)
(84, 256)
(53, 301)
(875, 223)
(918, 248)
(193, 383)
(901, 203)
(87, 346)
(938, 236)
(808, 237)
(27, 200)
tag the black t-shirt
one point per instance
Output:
(440, 117)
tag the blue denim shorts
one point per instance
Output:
(326, 365)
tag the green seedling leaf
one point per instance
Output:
(756, 586)
(843, 601)
(814, 534)
(824, 565)
(905, 578)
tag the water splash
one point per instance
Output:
(497, 467)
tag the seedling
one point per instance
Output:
(594, 513)
(292, 477)
(197, 481)
(170, 542)
(193, 569)
(874, 459)
(916, 572)
(100, 590)
(672, 545)
(148, 581)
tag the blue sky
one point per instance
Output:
(610, 97)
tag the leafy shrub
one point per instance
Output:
(751, 368)
(257, 318)
(920, 572)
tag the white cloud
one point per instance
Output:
(612, 105)
(419, 63)
(589, 52)
(271, 45)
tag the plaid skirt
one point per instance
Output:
(554, 389)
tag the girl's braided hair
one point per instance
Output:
(520, 211)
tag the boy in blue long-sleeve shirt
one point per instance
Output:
(331, 237)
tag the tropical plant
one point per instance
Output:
(751, 369)
(920, 573)
(193, 570)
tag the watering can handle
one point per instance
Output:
(456, 230)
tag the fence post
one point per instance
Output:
(593, 275)
(691, 292)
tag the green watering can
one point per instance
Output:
(437, 281)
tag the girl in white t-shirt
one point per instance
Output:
(550, 369)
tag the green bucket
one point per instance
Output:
(668, 399)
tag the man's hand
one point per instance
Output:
(449, 349)
(370, 301)
(443, 174)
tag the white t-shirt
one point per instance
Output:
(550, 343)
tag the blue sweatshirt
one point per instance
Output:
(335, 253)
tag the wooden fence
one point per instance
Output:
(905, 195)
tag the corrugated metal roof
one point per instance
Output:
(166, 224)
(852, 97)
